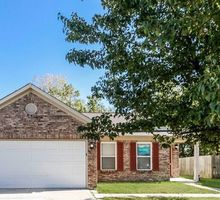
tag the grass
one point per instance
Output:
(215, 183)
(210, 182)
(154, 187)
(161, 198)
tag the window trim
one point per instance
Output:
(115, 143)
(151, 157)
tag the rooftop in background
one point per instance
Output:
(115, 120)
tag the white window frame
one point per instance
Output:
(101, 156)
(137, 156)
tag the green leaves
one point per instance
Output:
(58, 86)
(162, 65)
(207, 90)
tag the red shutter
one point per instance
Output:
(133, 156)
(98, 155)
(155, 156)
(171, 161)
(120, 153)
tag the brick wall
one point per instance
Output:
(92, 166)
(128, 175)
(48, 123)
(52, 123)
(175, 171)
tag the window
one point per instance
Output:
(144, 156)
(108, 156)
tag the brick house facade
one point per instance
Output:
(49, 123)
(54, 121)
(162, 166)
(129, 173)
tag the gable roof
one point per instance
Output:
(48, 98)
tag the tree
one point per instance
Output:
(94, 105)
(57, 86)
(162, 66)
(187, 150)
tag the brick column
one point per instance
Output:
(92, 166)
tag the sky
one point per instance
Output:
(32, 43)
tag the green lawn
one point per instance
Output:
(154, 187)
(215, 183)
(210, 182)
(161, 199)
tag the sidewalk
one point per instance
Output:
(193, 183)
(101, 196)
(182, 180)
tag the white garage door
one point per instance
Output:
(42, 164)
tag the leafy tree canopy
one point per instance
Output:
(162, 64)
(58, 86)
(94, 105)
(187, 149)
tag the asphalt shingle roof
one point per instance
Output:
(121, 119)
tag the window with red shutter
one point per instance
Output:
(108, 156)
(144, 155)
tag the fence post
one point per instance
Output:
(196, 162)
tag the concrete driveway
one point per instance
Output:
(41, 194)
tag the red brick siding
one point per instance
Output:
(48, 123)
(175, 161)
(129, 175)
(92, 167)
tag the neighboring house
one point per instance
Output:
(40, 147)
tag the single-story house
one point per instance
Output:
(40, 147)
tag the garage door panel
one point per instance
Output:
(42, 164)
(14, 145)
(54, 159)
(15, 172)
(49, 169)
(11, 153)
(10, 182)
(11, 167)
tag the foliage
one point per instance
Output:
(162, 65)
(94, 105)
(58, 86)
(187, 150)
